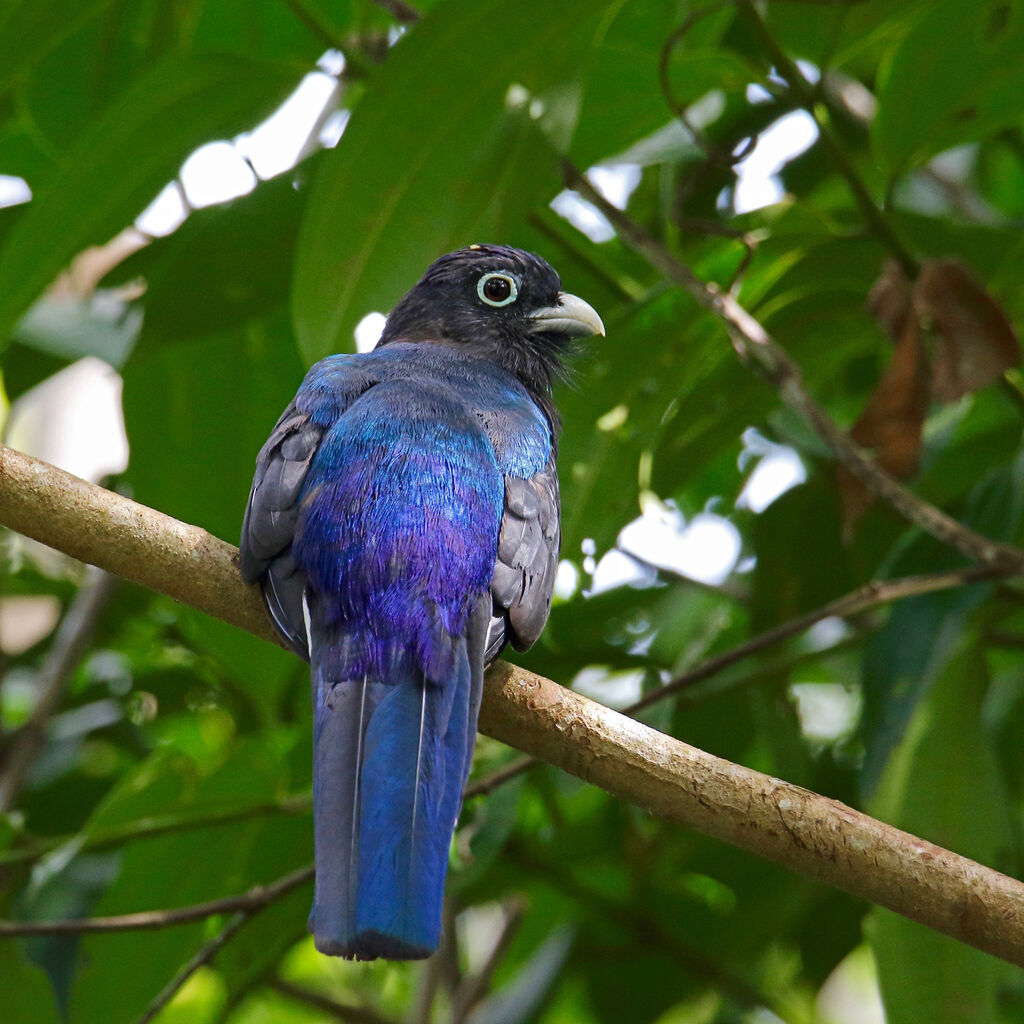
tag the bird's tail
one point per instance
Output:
(389, 765)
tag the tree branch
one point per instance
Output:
(202, 956)
(808, 833)
(862, 599)
(649, 931)
(754, 344)
(258, 897)
(475, 987)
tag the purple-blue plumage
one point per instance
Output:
(403, 524)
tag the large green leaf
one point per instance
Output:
(31, 28)
(197, 413)
(621, 408)
(182, 868)
(943, 784)
(231, 260)
(955, 77)
(27, 997)
(623, 99)
(122, 160)
(433, 159)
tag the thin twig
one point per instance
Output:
(345, 1012)
(204, 955)
(475, 987)
(551, 226)
(422, 1009)
(489, 783)
(717, 156)
(862, 599)
(256, 898)
(754, 344)
(809, 99)
(70, 645)
(148, 827)
(315, 23)
(870, 595)
(649, 931)
(808, 833)
(449, 971)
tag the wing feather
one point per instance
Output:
(524, 574)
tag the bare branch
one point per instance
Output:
(315, 23)
(475, 987)
(649, 931)
(256, 898)
(106, 529)
(810, 834)
(717, 156)
(754, 344)
(204, 955)
(489, 783)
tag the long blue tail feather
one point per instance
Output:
(390, 764)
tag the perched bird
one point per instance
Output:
(404, 525)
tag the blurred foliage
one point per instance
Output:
(177, 767)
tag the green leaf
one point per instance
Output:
(29, 29)
(27, 998)
(261, 670)
(840, 34)
(432, 161)
(175, 870)
(623, 100)
(197, 413)
(621, 407)
(943, 784)
(121, 161)
(231, 261)
(955, 77)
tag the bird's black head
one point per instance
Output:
(497, 302)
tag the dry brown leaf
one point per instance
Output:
(891, 424)
(974, 341)
(891, 300)
(951, 339)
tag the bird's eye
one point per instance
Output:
(497, 289)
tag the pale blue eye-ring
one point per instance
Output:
(497, 289)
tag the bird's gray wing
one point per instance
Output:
(270, 519)
(271, 516)
(524, 573)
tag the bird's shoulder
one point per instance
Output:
(458, 382)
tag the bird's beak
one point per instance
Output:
(571, 316)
